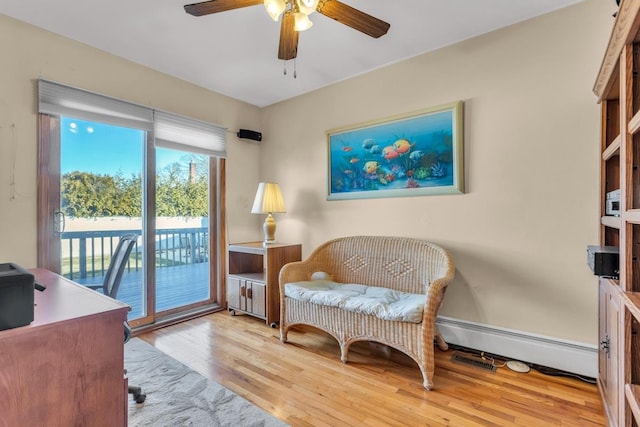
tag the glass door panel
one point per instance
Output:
(182, 230)
(101, 188)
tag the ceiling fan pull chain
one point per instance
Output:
(295, 72)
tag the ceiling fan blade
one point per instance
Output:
(354, 18)
(215, 6)
(288, 38)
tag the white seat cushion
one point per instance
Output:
(384, 303)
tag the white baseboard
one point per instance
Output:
(569, 356)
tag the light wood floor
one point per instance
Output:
(304, 383)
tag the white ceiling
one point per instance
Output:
(235, 52)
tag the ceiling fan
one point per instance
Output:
(295, 17)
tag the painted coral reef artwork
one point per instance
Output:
(414, 154)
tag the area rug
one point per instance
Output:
(179, 396)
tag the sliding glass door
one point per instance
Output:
(107, 168)
(110, 181)
(98, 182)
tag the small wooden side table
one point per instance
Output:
(252, 282)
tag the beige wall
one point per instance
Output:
(30, 53)
(520, 232)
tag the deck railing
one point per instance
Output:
(87, 254)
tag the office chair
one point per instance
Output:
(111, 282)
(111, 285)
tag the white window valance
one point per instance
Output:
(170, 130)
(183, 133)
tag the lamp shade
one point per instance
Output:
(268, 199)
(275, 8)
(302, 22)
(307, 6)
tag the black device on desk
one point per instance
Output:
(16, 296)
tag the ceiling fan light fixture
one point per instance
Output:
(302, 22)
(307, 6)
(275, 8)
(294, 17)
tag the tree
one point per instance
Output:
(178, 193)
(88, 195)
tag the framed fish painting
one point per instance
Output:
(414, 154)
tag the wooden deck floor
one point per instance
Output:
(175, 286)
(304, 383)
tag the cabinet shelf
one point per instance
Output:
(632, 216)
(255, 277)
(632, 301)
(634, 124)
(612, 150)
(632, 393)
(611, 221)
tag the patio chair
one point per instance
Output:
(185, 243)
(110, 287)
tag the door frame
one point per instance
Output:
(48, 192)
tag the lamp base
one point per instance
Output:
(269, 228)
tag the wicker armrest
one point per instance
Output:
(295, 272)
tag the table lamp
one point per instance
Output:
(268, 201)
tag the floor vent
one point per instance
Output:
(473, 361)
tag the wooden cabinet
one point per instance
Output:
(247, 295)
(618, 90)
(252, 283)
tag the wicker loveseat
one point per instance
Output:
(318, 292)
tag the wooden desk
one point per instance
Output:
(66, 367)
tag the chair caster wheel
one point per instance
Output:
(137, 394)
(140, 398)
(233, 312)
(273, 325)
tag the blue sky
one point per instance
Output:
(105, 149)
